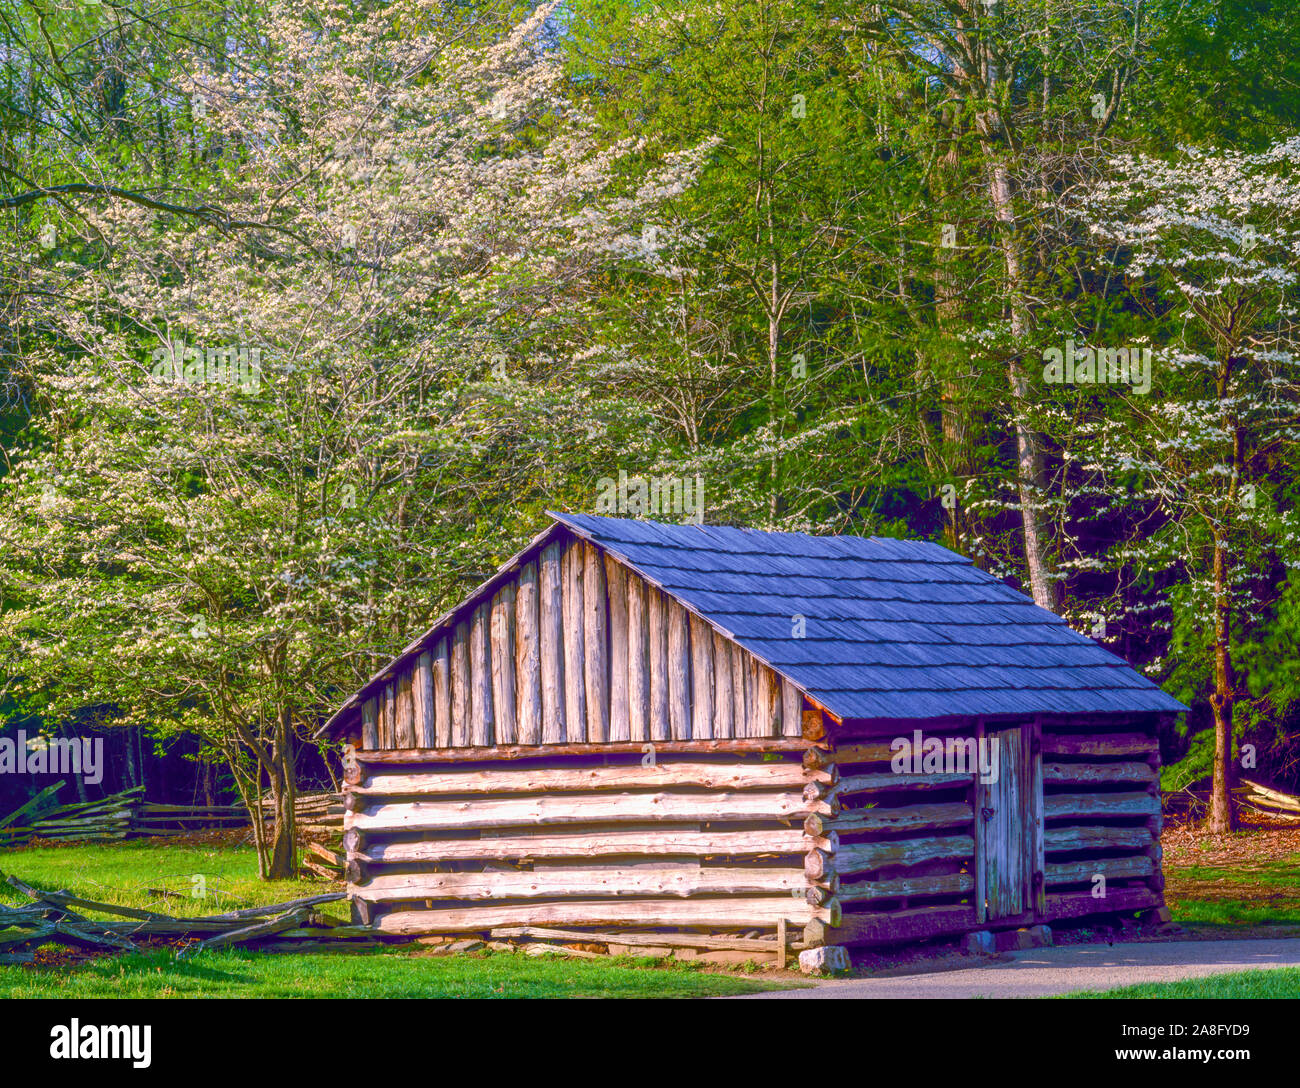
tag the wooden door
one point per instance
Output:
(1003, 833)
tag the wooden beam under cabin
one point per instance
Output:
(729, 912)
(918, 924)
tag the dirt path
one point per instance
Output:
(1041, 972)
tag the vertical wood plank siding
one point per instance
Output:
(595, 609)
(577, 648)
(616, 588)
(638, 660)
(503, 663)
(551, 620)
(528, 661)
(575, 681)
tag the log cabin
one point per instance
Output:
(652, 730)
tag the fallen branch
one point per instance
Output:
(250, 933)
(65, 898)
(52, 917)
(254, 912)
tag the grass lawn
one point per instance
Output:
(160, 875)
(389, 972)
(1265, 895)
(157, 874)
(1234, 882)
(1269, 982)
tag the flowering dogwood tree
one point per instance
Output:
(266, 415)
(1214, 239)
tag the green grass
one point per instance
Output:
(1282, 874)
(1232, 913)
(130, 874)
(206, 879)
(1264, 894)
(1269, 982)
(389, 972)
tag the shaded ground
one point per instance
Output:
(1046, 972)
(1245, 883)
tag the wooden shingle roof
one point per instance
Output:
(897, 629)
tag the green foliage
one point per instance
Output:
(755, 242)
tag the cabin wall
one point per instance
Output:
(608, 840)
(909, 856)
(823, 836)
(577, 648)
(897, 851)
(1101, 782)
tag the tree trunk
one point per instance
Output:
(129, 752)
(249, 786)
(282, 864)
(209, 792)
(954, 409)
(1031, 477)
(78, 780)
(1223, 817)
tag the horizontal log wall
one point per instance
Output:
(1101, 810)
(696, 838)
(577, 648)
(898, 852)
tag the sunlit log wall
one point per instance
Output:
(697, 838)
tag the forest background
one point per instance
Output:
(311, 310)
